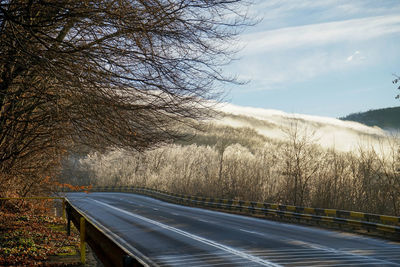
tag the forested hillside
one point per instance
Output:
(250, 158)
(386, 118)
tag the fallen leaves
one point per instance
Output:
(29, 239)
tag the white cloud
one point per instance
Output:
(272, 59)
(350, 58)
(273, 10)
(356, 56)
(277, 69)
(321, 34)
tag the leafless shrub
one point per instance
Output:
(364, 180)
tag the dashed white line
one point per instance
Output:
(201, 220)
(344, 253)
(196, 237)
(251, 232)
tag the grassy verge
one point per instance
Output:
(28, 238)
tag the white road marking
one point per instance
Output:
(198, 255)
(224, 264)
(194, 260)
(201, 220)
(196, 237)
(251, 232)
(123, 242)
(345, 253)
(346, 264)
(309, 262)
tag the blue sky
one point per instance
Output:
(325, 57)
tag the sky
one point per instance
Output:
(327, 58)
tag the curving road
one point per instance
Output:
(165, 234)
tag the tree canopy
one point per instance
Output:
(124, 73)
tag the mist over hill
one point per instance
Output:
(277, 125)
(386, 118)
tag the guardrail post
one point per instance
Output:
(83, 237)
(68, 211)
(63, 209)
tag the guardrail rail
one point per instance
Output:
(109, 251)
(112, 253)
(383, 224)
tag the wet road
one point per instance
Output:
(166, 234)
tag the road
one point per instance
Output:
(165, 234)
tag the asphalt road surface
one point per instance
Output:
(165, 234)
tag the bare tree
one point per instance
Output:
(122, 73)
(395, 81)
(299, 155)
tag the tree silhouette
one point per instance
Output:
(123, 73)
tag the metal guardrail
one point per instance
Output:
(112, 253)
(356, 220)
(107, 249)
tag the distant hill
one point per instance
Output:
(386, 118)
(252, 127)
